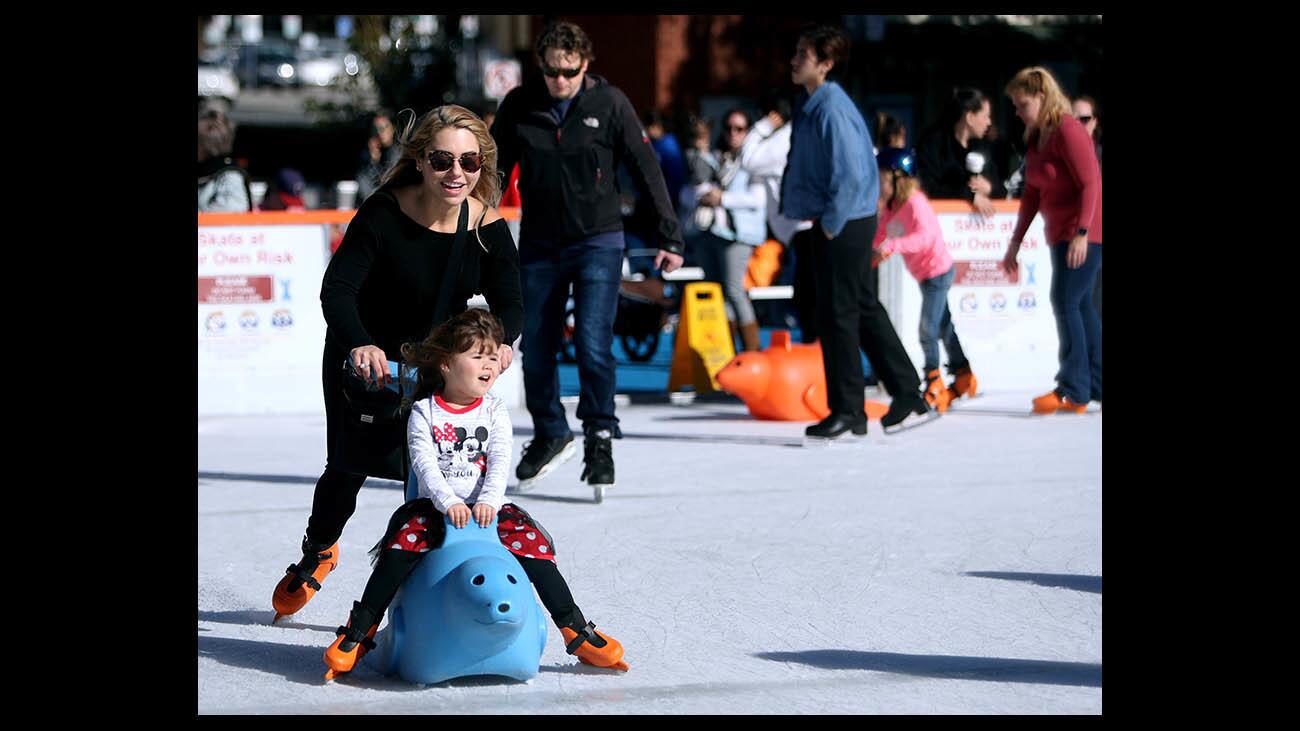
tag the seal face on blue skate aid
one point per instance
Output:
(467, 609)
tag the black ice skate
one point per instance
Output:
(598, 462)
(907, 412)
(541, 457)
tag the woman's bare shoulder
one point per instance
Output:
(482, 213)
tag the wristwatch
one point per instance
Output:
(1081, 232)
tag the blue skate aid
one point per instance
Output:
(467, 609)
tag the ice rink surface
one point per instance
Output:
(954, 568)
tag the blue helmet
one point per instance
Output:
(897, 158)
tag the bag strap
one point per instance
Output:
(454, 262)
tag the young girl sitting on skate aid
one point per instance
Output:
(909, 227)
(460, 441)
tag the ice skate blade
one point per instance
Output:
(912, 421)
(847, 440)
(598, 492)
(565, 455)
(330, 674)
(279, 617)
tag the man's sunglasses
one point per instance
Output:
(552, 72)
(441, 160)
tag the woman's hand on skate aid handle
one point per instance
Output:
(482, 514)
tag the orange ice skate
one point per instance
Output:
(351, 645)
(1050, 403)
(301, 581)
(964, 383)
(609, 656)
(937, 394)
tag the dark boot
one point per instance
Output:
(837, 425)
(542, 455)
(598, 458)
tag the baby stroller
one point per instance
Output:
(643, 309)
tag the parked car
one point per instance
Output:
(269, 63)
(329, 63)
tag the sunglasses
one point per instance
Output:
(441, 160)
(552, 72)
(1085, 118)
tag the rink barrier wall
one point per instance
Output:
(260, 325)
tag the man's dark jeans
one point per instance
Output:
(545, 275)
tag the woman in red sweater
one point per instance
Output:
(1063, 182)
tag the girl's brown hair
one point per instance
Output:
(1038, 80)
(473, 327)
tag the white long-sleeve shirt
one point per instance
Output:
(461, 455)
(764, 155)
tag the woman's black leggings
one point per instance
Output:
(333, 503)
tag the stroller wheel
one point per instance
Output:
(641, 348)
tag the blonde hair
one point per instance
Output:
(904, 186)
(418, 137)
(1038, 80)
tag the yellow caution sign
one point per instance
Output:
(703, 344)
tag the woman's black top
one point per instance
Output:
(381, 285)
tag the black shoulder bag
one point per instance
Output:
(374, 416)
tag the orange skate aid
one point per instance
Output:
(784, 382)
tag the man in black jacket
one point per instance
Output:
(569, 137)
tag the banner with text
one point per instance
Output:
(260, 326)
(1005, 326)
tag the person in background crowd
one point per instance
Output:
(1086, 111)
(890, 132)
(1088, 114)
(1063, 182)
(909, 227)
(380, 155)
(701, 168)
(222, 185)
(764, 154)
(381, 290)
(830, 181)
(286, 192)
(953, 159)
(668, 150)
(569, 135)
(737, 225)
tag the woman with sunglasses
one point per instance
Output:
(726, 241)
(1063, 182)
(382, 287)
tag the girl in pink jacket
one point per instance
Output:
(909, 227)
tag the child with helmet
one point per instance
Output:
(909, 227)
